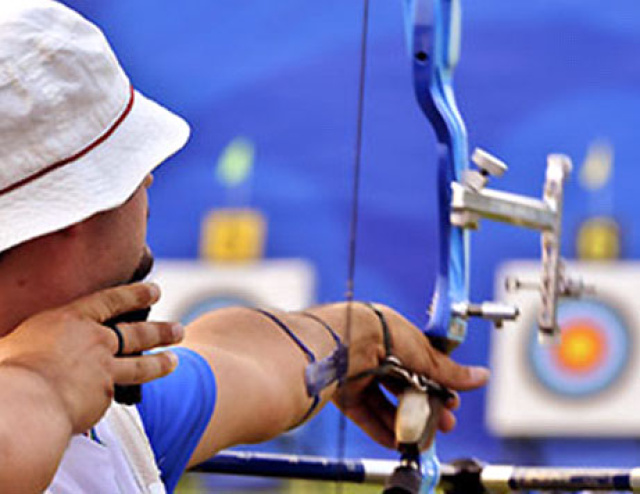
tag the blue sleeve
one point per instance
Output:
(175, 411)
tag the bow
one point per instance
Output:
(435, 33)
(434, 47)
(434, 43)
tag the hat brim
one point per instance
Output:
(102, 179)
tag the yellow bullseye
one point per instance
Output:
(582, 348)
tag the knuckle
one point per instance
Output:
(106, 362)
(97, 306)
(105, 337)
(155, 333)
(111, 301)
(147, 335)
(441, 368)
(131, 337)
(166, 332)
(65, 316)
(139, 370)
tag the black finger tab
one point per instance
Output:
(127, 395)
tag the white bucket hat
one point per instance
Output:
(75, 138)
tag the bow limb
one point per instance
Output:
(434, 43)
(435, 53)
(436, 48)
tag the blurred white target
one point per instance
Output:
(589, 383)
(191, 288)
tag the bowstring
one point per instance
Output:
(355, 200)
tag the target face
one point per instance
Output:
(592, 354)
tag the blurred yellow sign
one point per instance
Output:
(599, 239)
(233, 235)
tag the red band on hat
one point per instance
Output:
(80, 153)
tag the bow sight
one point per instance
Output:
(472, 202)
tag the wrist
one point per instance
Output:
(359, 327)
(36, 391)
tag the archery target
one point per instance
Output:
(591, 354)
(585, 385)
(191, 288)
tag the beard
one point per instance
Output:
(144, 266)
(140, 273)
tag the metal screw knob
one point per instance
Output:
(488, 163)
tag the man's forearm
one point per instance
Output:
(260, 370)
(34, 431)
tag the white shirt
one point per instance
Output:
(121, 462)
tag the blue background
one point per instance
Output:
(535, 77)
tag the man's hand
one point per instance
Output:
(71, 355)
(363, 400)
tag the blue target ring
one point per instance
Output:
(593, 352)
(213, 302)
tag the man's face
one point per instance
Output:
(117, 252)
(105, 250)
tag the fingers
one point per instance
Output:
(144, 368)
(416, 352)
(453, 403)
(141, 336)
(454, 375)
(375, 415)
(106, 304)
(446, 421)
